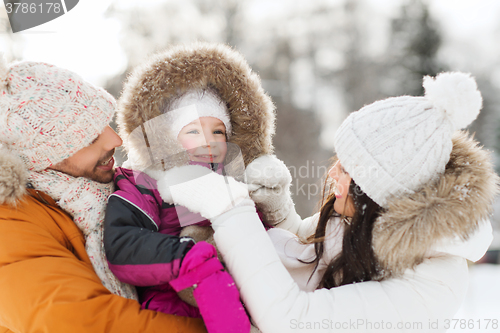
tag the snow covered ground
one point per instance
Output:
(482, 303)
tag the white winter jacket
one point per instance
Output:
(422, 242)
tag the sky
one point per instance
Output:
(82, 40)
(471, 28)
(87, 42)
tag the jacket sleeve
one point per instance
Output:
(298, 226)
(44, 287)
(415, 302)
(136, 252)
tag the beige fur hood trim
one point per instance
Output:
(196, 66)
(451, 207)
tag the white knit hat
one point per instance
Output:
(395, 146)
(196, 104)
(48, 113)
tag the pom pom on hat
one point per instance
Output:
(456, 94)
(13, 177)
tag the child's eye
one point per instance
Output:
(219, 132)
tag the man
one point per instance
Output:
(56, 168)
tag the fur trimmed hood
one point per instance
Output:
(452, 208)
(172, 72)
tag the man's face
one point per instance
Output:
(95, 161)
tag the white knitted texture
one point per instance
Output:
(394, 146)
(48, 113)
(269, 182)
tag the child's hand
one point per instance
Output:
(269, 182)
(214, 290)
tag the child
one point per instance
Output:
(180, 109)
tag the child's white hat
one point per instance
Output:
(195, 104)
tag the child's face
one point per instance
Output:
(204, 139)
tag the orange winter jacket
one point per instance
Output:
(47, 283)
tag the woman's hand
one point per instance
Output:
(269, 181)
(200, 190)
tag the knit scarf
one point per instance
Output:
(85, 200)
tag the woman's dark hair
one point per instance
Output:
(356, 262)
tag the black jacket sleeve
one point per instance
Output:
(136, 252)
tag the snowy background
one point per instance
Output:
(318, 59)
(482, 301)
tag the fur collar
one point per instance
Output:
(180, 68)
(453, 206)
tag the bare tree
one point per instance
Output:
(412, 52)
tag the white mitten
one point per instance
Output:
(269, 181)
(200, 190)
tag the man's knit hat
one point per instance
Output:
(195, 104)
(48, 113)
(395, 146)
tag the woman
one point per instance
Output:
(388, 249)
